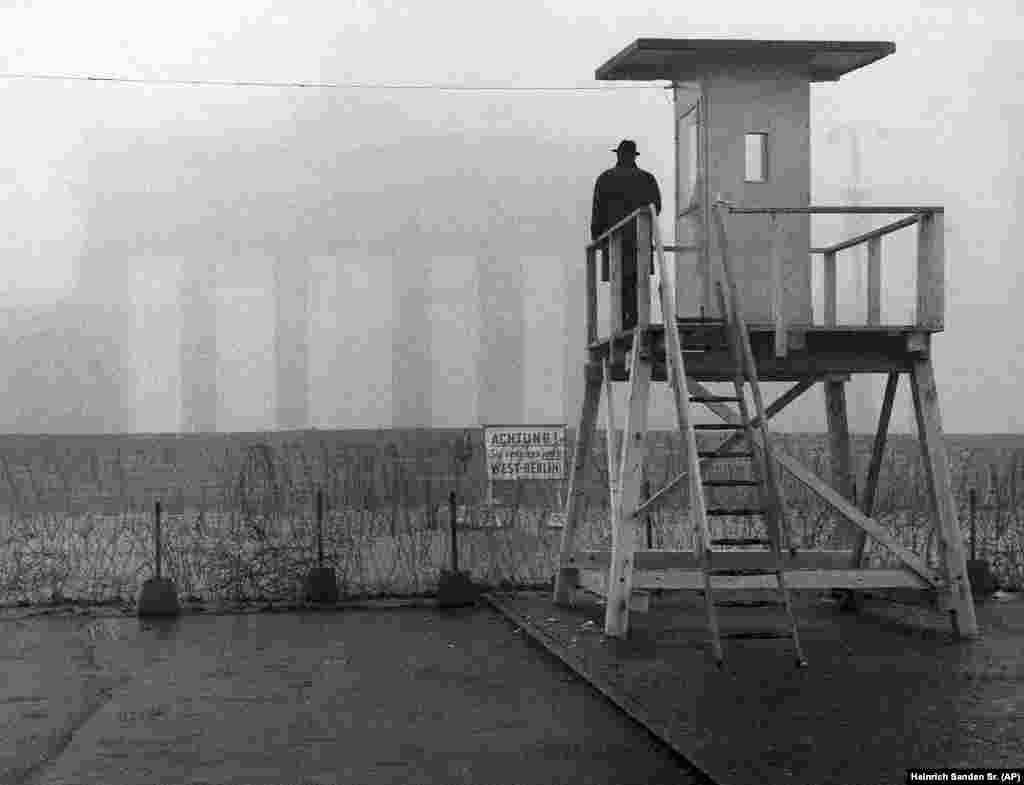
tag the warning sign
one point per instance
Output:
(525, 452)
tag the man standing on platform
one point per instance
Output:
(618, 192)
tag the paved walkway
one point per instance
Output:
(362, 697)
(885, 691)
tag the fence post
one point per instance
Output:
(973, 499)
(395, 467)
(321, 583)
(320, 527)
(455, 589)
(454, 542)
(157, 540)
(158, 596)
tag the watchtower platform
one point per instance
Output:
(735, 305)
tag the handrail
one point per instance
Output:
(681, 397)
(930, 262)
(855, 209)
(930, 310)
(607, 233)
(860, 238)
(741, 336)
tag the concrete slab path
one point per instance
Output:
(362, 697)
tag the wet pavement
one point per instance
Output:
(355, 696)
(886, 690)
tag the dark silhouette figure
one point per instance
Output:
(618, 192)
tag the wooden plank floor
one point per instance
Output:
(813, 350)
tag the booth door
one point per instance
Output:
(691, 267)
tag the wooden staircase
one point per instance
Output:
(769, 505)
(755, 453)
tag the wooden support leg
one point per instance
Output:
(841, 456)
(624, 520)
(566, 578)
(611, 436)
(867, 505)
(957, 593)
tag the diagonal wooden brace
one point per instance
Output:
(815, 484)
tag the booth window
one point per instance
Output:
(757, 158)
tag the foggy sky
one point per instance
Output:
(96, 178)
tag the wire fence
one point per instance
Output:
(247, 530)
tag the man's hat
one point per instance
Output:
(626, 146)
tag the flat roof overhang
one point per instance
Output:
(682, 59)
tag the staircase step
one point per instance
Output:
(659, 373)
(756, 635)
(742, 541)
(723, 456)
(730, 483)
(698, 320)
(738, 511)
(718, 426)
(740, 571)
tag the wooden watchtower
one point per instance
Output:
(743, 261)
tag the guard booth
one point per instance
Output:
(743, 134)
(741, 312)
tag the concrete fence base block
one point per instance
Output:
(456, 589)
(158, 597)
(321, 585)
(983, 581)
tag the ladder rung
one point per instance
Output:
(717, 426)
(741, 571)
(744, 511)
(715, 455)
(741, 541)
(756, 634)
(699, 320)
(714, 399)
(730, 483)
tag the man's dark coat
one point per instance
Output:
(618, 192)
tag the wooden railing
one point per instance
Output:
(930, 284)
(609, 242)
(930, 295)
